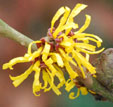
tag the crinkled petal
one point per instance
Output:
(36, 66)
(45, 79)
(73, 74)
(57, 16)
(68, 58)
(85, 46)
(90, 52)
(60, 76)
(67, 26)
(57, 58)
(62, 22)
(49, 63)
(69, 85)
(19, 79)
(36, 54)
(36, 82)
(46, 51)
(30, 46)
(79, 64)
(49, 78)
(15, 61)
(54, 88)
(65, 16)
(71, 95)
(82, 60)
(87, 39)
(85, 26)
(84, 35)
(78, 8)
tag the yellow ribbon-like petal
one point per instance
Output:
(62, 22)
(69, 85)
(36, 83)
(30, 45)
(67, 57)
(54, 88)
(36, 54)
(19, 79)
(85, 46)
(72, 73)
(46, 51)
(56, 16)
(90, 52)
(78, 8)
(60, 76)
(49, 63)
(87, 57)
(85, 26)
(84, 35)
(87, 39)
(15, 61)
(81, 60)
(57, 58)
(45, 79)
(49, 78)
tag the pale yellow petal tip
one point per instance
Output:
(6, 66)
(36, 89)
(67, 8)
(58, 93)
(88, 17)
(15, 85)
(16, 82)
(34, 92)
(102, 50)
(80, 4)
(11, 77)
(98, 44)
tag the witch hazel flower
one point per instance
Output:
(62, 48)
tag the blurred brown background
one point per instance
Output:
(32, 18)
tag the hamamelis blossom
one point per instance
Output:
(63, 49)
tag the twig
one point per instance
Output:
(9, 32)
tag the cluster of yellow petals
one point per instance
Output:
(71, 52)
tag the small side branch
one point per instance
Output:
(9, 32)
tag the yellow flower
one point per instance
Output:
(63, 49)
(41, 63)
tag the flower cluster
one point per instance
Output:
(63, 49)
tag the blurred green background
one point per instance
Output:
(32, 18)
